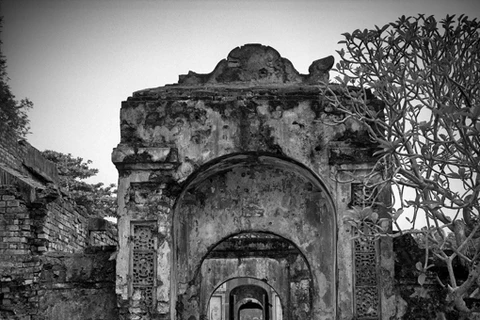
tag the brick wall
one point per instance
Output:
(40, 226)
(61, 227)
(19, 267)
(11, 152)
(102, 232)
(29, 232)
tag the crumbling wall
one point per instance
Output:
(11, 151)
(102, 232)
(78, 286)
(37, 221)
(60, 226)
(254, 110)
(19, 265)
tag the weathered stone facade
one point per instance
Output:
(233, 190)
(54, 259)
(234, 187)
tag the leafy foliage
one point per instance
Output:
(95, 198)
(427, 74)
(13, 114)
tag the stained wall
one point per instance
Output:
(252, 146)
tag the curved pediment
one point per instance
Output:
(256, 64)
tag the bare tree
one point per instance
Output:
(427, 74)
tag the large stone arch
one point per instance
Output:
(253, 114)
(262, 193)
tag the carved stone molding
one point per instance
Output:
(259, 64)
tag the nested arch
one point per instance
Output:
(250, 192)
(270, 260)
(243, 293)
(252, 260)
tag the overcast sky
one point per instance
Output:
(77, 60)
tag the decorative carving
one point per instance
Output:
(366, 302)
(366, 284)
(146, 294)
(365, 274)
(143, 266)
(363, 244)
(143, 261)
(253, 244)
(143, 238)
(319, 70)
(259, 64)
(361, 195)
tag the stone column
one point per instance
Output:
(144, 257)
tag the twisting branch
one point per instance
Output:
(427, 75)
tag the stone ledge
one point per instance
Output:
(340, 154)
(28, 187)
(36, 162)
(222, 93)
(145, 158)
(127, 154)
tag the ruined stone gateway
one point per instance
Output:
(232, 192)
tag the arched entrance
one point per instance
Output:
(251, 311)
(253, 272)
(255, 216)
(244, 299)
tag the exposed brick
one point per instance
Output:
(13, 203)
(15, 209)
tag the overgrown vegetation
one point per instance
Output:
(97, 199)
(427, 74)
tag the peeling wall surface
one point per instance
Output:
(233, 186)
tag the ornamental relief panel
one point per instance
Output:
(366, 291)
(143, 257)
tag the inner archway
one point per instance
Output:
(249, 274)
(245, 299)
(248, 301)
(260, 217)
(250, 310)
